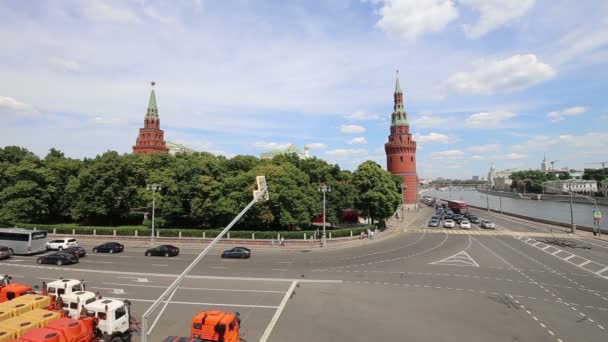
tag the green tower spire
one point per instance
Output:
(397, 85)
(399, 116)
(152, 112)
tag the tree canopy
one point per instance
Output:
(197, 190)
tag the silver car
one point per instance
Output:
(5, 252)
(487, 224)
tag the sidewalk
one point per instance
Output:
(394, 227)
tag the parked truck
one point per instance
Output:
(104, 320)
(10, 290)
(212, 326)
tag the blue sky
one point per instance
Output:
(503, 80)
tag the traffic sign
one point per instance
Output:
(597, 214)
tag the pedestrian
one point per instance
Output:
(282, 241)
(272, 242)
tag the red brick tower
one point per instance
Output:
(151, 138)
(401, 149)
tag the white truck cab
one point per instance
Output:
(64, 287)
(113, 316)
(72, 303)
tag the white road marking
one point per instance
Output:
(218, 267)
(114, 291)
(277, 313)
(159, 265)
(196, 288)
(139, 280)
(459, 259)
(206, 304)
(279, 269)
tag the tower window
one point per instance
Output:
(401, 158)
(412, 158)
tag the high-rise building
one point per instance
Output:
(151, 138)
(401, 149)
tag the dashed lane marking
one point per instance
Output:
(206, 304)
(196, 288)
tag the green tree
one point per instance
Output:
(376, 190)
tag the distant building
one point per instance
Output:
(475, 178)
(578, 186)
(291, 149)
(151, 138)
(491, 175)
(604, 187)
(175, 148)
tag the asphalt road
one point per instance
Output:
(422, 284)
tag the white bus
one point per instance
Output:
(23, 241)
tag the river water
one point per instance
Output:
(548, 210)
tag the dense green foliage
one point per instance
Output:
(531, 181)
(199, 190)
(596, 174)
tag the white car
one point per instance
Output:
(61, 244)
(448, 223)
(465, 224)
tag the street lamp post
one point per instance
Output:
(154, 187)
(403, 188)
(324, 188)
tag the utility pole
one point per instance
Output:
(154, 187)
(324, 188)
(403, 188)
(500, 199)
(572, 215)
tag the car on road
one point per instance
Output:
(5, 252)
(474, 219)
(109, 247)
(465, 224)
(59, 258)
(237, 252)
(164, 250)
(61, 244)
(448, 223)
(76, 251)
(458, 218)
(487, 224)
(448, 217)
(434, 223)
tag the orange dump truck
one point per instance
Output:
(216, 326)
(11, 291)
(63, 330)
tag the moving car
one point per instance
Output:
(164, 250)
(434, 223)
(237, 252)
(76, 251)
(5, 252)
(61, 244)
(474, 219)
(465, 224)
(448, 223)
(59, 258)
(109, 247)
(487, 224)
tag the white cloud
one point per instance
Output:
(12, 106)
(560, 115)
(489, 119)
(489, 77)
(593, 141)
(540, 142)
(346, 153)
(514, 156)
(407, 19)
(477, 157)
(494, 13)
(316, 145)
(352, 129)
(358, 140)
(64, 64)
(271, 145)
(451, 154)
(102, 10)
(484, 148)
(432, 138)
(361, 116)
(108, 121)
(429, 121)
(581, 43)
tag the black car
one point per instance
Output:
(58, 259)
(76, 251)
(474, 219)
(164, 250)
(237, 252)
(5, 252)
(109, 247)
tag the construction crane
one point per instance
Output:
(553, 164)
(603, 164)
